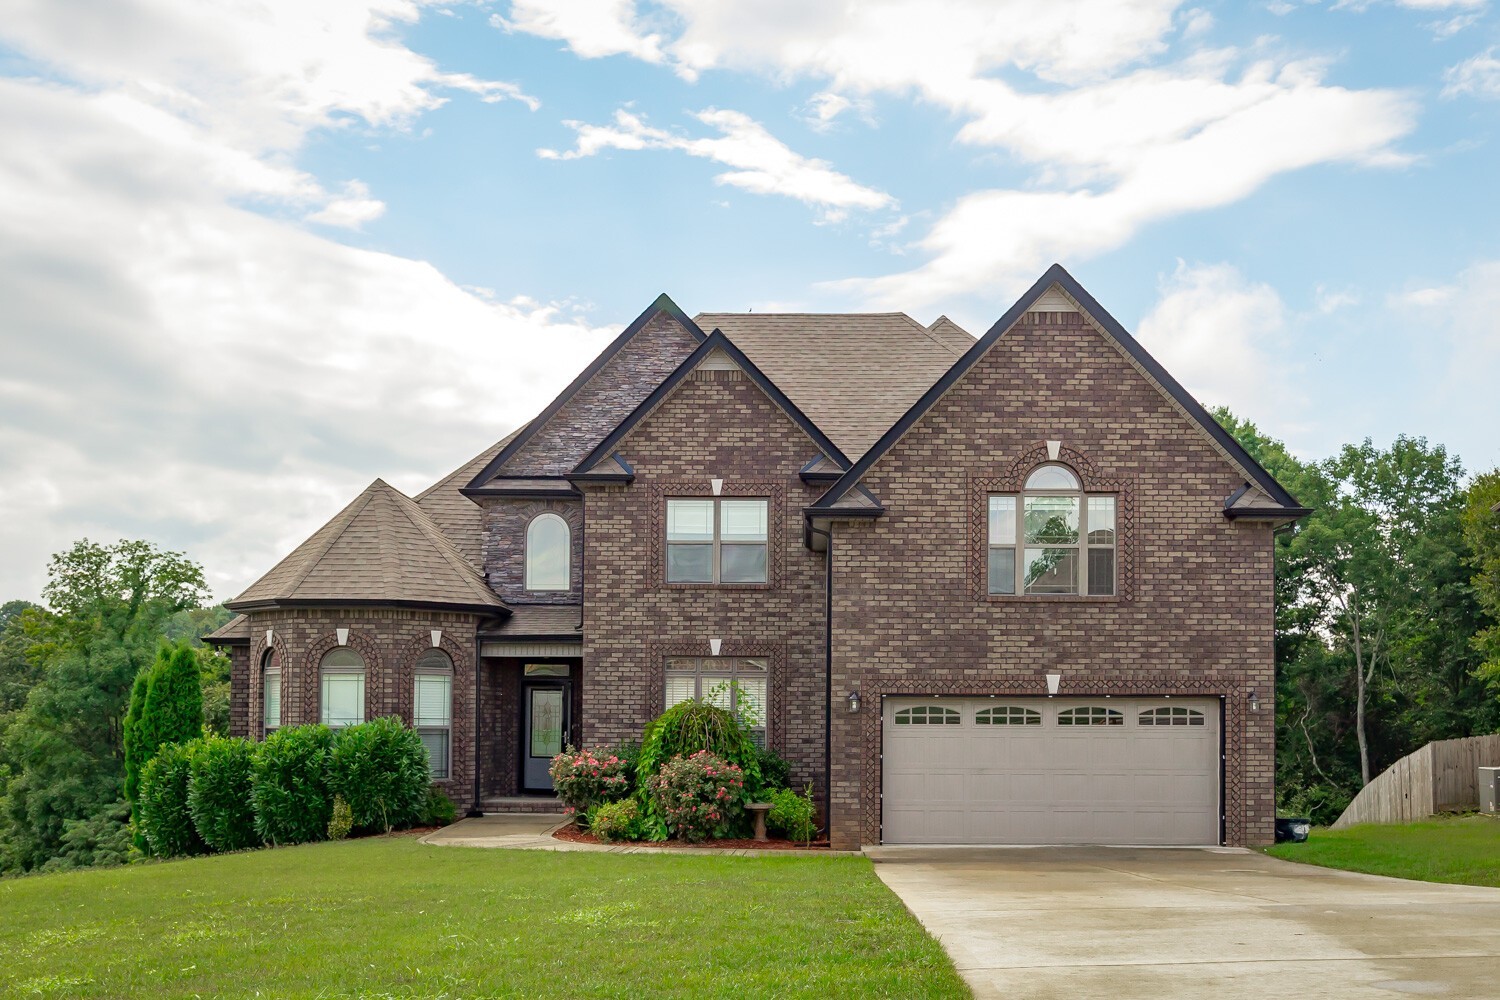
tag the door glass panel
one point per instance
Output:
(546, 670)
(546, 723)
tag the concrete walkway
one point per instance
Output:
(1121, 923)
(534, 833)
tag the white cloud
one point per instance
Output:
(1453, 25)
(1118, 120)
(1327, 301)
(591, 28)
(823, 110)
(182, 367)
(1479, 76)
(761, 163)
(1223, 338)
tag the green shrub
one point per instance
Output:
(792, 814)
(616, 821)
(163, 805)
(629, 752)
(584, 779)
(173, 709)
(131, 733)
(380, 769)
(439, 810)
(691, 726)
(700, 797)
(775, 772)
(219, 793)
(289, 785)
(341, 821)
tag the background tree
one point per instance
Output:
(106, 609)
(173, 708)
(1481, 528)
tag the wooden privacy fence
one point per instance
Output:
(1440, 777)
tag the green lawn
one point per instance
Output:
(1463, 849)
(389, 917)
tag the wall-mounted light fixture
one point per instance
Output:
(1054, 682)
(853, 702)
(1254, 701)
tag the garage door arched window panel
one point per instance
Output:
(1007, 715)
(928, 715)
(432, 709)
(1171, 715)
(1052, 539)
(734, 683)
(549, 553)
(342, 676)
(1090, 715)
(270, 692)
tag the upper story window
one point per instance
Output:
(717, 540)
(270, 690)
(549, 553)
(432, 709)
(1063, 541)
(342, 673)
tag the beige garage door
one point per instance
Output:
(1051, 771)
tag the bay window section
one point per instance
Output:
(270, 689)
(432, 710)
(342, 675)
(720, 541)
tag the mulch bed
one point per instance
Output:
(574, 835)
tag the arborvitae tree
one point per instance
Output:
(132, 735)
(173, 710)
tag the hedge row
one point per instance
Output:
(228, 794)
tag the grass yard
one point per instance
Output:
(1463, 849)
(389, 917)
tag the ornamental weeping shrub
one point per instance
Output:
(701, 797)
(380, 769)
(775, 771)
(220, 798)
(289, 785)
(691, 726)
(162, 810)
(584, 779)
(792, 814)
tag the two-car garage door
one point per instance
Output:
(1051, 771)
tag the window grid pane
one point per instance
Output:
(343, 698)
(271, 710)
(690, 520)
(432, 700)
(717, 541)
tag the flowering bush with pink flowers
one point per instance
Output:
(701, 797)
(586, 778)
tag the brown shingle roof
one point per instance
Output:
(381, 548)
(853, 374)
(233, 632)
(532, 620)
(459, 517)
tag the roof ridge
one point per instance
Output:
(927, 332)
(442, 543)
(312, 563)
(895, 312)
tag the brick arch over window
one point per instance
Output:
(406, 671)
(256, 695)
(312, 691)
(1013, 480)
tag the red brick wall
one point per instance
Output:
(1194, 615)
(714, 425)
(390, 640)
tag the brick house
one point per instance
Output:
(1015, 589)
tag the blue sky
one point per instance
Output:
(256, 256)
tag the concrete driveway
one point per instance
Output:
(1124, 923)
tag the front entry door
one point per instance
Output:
(544, 725)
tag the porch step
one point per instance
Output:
(525, 804)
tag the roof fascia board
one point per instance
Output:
(662, 304)
(716, 340)
(345, 602)
(1057, 274)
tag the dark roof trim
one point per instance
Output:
(338, 602)
(836, 513)
(1058, 275)
(627, 476)
(478, 492)
(572, 635)
(1267, 513)
(210, 640)
(663, 303)
(810, 475)
(716, 340)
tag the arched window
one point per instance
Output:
(342, 673)
(270, 691)
(432, 709)
(549, 553)
(1062, 542)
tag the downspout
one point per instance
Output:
(827, 678)
(474, 808)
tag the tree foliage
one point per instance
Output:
(1481, 528)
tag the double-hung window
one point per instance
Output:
(717, 540)
(343, 688)
(736, 684)
(1052, 539)
(270, 692)
(432, 710)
